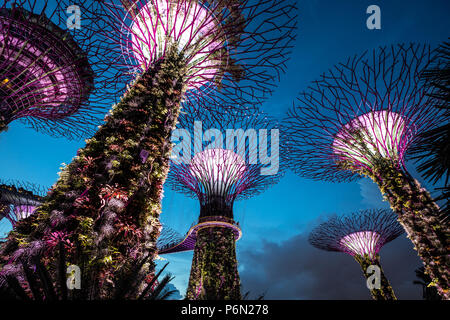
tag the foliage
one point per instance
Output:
(385, 292)
(214, 274)
(33, 281)
(107, 201)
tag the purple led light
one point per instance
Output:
(218, 170)
(358, 234)
(361, 243)
(46, 78)
(23, 211)
(160, 24)
(231, 51)
(52, 94)
(374, 134)
(188, 243)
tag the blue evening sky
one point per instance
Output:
(329, 32)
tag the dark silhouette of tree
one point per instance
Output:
(433, 153)
(30, 280)
(429, 292)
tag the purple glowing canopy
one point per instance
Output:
(217, 170)
(46, 75)
(24, 211)
(371, 135)
(234, 51)
(358, 234)
(184, 22)
(361, 243)
(18, 200)
(232, 154)
(372, 106)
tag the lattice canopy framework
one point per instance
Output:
(362, 233)
(366, 109)
(233, 51)
(220, 158)
(47, 71)
(18, 200)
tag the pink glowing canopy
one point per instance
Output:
(43, 72)
(361, 243)
(188, 26)
(23, 211)
(369, 136)
(217, 169)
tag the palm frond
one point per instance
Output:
(151, 283)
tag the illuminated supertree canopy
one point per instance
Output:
(220, 158)
(232, 52)
(360, 119)
(361, 235)
(46, 71)
(18, 200)
(228, 154)
(107, 201)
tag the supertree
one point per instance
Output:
(361, 235)
(18, 200)
(359, 119)
(46, 71)
(217, 163)
(107, 201)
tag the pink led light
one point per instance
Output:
(217, 169)
(188, 243)
(41, 79)
(52, 94)
(187, 25)
(23, 211)
(361, 243)
(381, 133)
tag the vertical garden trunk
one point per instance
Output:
(420, 217)
(385, 292)
(214, 274)
(107, 201)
